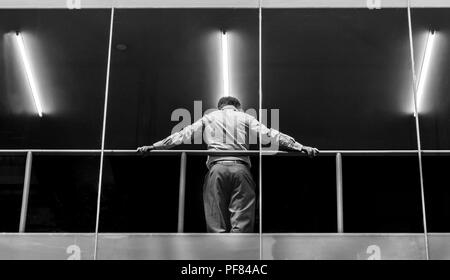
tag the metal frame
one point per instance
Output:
(416, 119)
(105, 114)
(95, 4)
(260, 96)
(339, 194)
(182, 193)
(26, 192)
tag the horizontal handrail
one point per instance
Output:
(212, 152)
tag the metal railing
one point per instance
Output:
(183, 160)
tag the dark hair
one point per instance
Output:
(228, 100)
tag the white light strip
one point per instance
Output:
(225, 66)
(30, 77)
(425, 67)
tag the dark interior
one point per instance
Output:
(340, 78)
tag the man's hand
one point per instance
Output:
(145, 149)
(312, 152)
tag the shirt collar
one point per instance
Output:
(231, 107)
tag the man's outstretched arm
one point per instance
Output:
(281, 139)
(175, 139)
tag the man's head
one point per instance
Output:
(228, 100)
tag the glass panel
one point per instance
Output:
(382, 194)
(140, 194)
(430, 29)
(436, 181)
(67, 55)
(339, 86)
(433, 101)
(196, 171)
(164, 60)
(53, 64)
(12, 170)
(63, 194)
(341, 79)
(299, 194)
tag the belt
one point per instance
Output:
(230, 161)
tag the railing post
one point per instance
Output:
(26, 192)
(182, 193)
(340, 211)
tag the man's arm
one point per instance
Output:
(281, 139)
(175, 139)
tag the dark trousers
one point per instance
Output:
(229, 198)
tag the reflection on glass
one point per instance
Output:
(158, 74)
(381, 194)
(140, 194)
(63, 194)
(436, 181)
(434, 113)
(340, 86)
(299, 194)
(154, 76)
(12, 169)
(434, 105)
(30, 76)
(53, 66)
(429, 46)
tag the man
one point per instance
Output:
(229, 189)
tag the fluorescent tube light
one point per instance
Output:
(225, 66)
(425, 68)
(29, 73)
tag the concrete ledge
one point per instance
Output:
(222, 246)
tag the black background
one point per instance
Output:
(341, 79)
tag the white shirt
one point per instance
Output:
(228, 129)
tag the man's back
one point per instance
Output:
(227, 129)
(229, 190)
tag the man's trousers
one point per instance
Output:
(229, 198)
